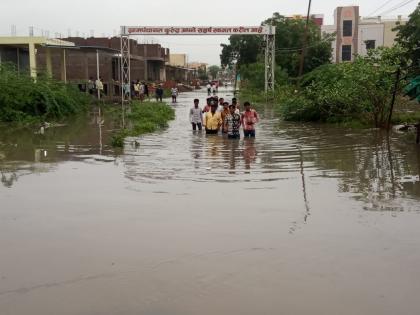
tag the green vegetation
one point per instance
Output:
(409, 37)
(245, 50)
(344, 92)
(357, 93)
(22, 100)
(213, 71)
(145, 117)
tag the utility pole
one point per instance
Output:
(394, 93)
(305, 40)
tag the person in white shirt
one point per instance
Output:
(99, 86)
(141, 91)
(196, 116)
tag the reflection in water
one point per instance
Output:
(378, 169)
(249, 153)
(25, 151)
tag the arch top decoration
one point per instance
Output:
(197, 30)
(268, 31)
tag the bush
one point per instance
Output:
(347, 92)
(145, 117)
(22, 99)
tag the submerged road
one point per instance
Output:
(305, 219)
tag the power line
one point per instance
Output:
(400, 5)
(380, 7)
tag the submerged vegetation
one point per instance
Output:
(24, 100)
(144, 118)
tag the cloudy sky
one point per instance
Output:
(105, 17)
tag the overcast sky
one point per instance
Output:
(105, 17)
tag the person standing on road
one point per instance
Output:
(126, 90)
(159, 93)
(208, 89)
(99, 87)
(232, 123)
(137, 89)
(91, 86)
(141, 92)
(248, 119)
(212, 120)
(146, 91)
(196, 116)
(174, 93)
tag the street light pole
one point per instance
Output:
(305, 40)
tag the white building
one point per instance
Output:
(356, 35)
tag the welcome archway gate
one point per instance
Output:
(267, 31)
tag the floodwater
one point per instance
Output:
(305, 219)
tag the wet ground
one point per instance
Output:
(305, 219)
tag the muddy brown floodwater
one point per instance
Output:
(305, 219)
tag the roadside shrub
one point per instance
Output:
(22, 99)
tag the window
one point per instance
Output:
(347, 28)
(370, 44)
(346, 53)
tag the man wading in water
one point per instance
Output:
(232, 123)
(196, 116)
(213, 119)
(249, 118)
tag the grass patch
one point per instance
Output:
(146, 117)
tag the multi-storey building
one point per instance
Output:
(355, 35)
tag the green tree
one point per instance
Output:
(202, 74)
(409, 37)
(213, 71)
(245, 50)
(347, 91)
(242, 49)
(289, 43)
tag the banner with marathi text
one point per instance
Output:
(198, 30)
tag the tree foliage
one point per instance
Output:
(245, 50)
(213, 71)
(409, 37)
(347, 91)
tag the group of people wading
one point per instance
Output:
(219, 115)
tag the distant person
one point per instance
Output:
(208, 86)
(137, 89)
(196, 116)
(212, 120)
(132, 90)
(159, 93)
(91, 86)
(126, 90)
(146, 90)
(249, 118)
(174, 94)
(213, 89)
(99, 87)
(232, 123)
(141, 91)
